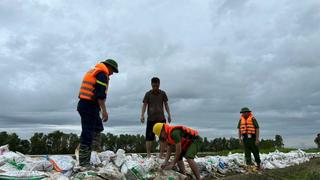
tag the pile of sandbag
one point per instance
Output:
(278, 159)
(119, 165)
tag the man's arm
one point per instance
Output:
(176, 159)
(101, 88)
(143, 110)
(145, 102)
(168, 154)
(166, 105)
(255, 122)
(102, 104)
(240, 137)
(178, 153)
(257, 135)
(239, 133)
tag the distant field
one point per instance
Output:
(226, 152)
(306, 171)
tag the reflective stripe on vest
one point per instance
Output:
(247, 126)
(89, 81)
(185, 141)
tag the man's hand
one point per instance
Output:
(105, 116)
(169, 118)
(142, 119)
(257, 142)
(241, 142)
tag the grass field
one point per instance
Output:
(306, 171)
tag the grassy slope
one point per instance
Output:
(309, 171)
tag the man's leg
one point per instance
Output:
(255, 151)
(86, 138)
(149, 147)
(96, 143)
(194, 168)
(150, 137)
(162, 144)
(247, 151)
(181, 167)
(190, 154)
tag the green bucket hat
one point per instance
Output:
(245, 109)
(113, 64)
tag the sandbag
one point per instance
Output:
(27, 175)
(120, 157)
(110, 171)
(62, 163)
(4, 149)
(94, 158)
(106, 156)
(89, 175)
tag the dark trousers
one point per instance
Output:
(251, 147)
(92, 126)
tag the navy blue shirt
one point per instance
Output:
(100, 91)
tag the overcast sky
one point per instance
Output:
(213, 57)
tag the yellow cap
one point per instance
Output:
(157, 129)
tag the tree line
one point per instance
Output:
(58, 142)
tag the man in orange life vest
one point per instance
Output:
(186, 141)
(92, 95)
(249, 135)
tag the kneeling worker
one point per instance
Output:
(187, 143)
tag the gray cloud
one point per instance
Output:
(213, 57)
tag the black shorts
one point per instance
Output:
(150, 136)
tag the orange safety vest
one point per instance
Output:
(89, 81)
(247, 126)
(185, 141)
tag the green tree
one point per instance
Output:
(3, 138)
(39, 144)
(317, 140)
(73, 141)
(24, 146)
(278, 141)
(267, 144)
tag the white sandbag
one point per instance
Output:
(7, 167)
(106, 156)
(62, 162)
(56, 176)
(136, 157)
(3, 149)
(23, 175)
(169, 174)
(11, 156)
(110, 171)
(124, 169)
(38, 165)
(150, 164)
(129, 164)
(121, 157)
(88, 175)
(138, 171)
(222, 167)
(281, 160)
(94, 158)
